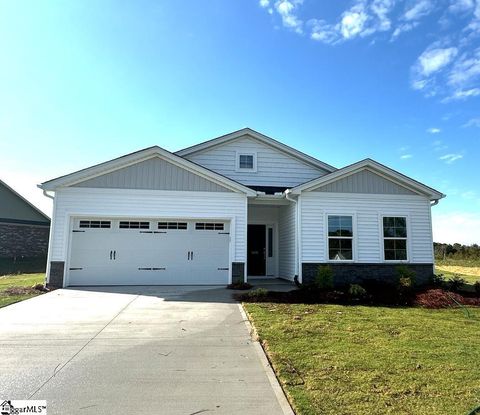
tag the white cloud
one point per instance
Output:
(433, 60)
(433, 130)
(460, 6)
(406, 156)
(450, 158)
(461, 227)
(287, 9)
(466, 69)
(419, 10)
(264, 3)
(405, 27)
(353, 21)
(462, 94)
(321, 31)
(474, 122)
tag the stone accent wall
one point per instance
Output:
(355, 273)
(238, 272)
(56, 274)
(19, 240)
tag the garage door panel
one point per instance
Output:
(150, 256)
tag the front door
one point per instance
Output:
(256, 246)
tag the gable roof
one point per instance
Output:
(377, 168)
(136, 157)
(259, 137)
(30, 214)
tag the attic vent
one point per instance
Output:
(172, 225)
(203, 226)
(94, 224)
(134, 225)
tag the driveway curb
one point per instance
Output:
(272, 378)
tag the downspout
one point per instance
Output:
(435, 202)
(297, 233)
(50, 238)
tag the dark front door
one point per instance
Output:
(256, 245)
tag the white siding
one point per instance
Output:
(367, 211)
(274, 167)
(146, 203)
(286, 234)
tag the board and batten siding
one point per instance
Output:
(286, 241)
(367, 211)
(130, 203)
(274, 167)
(153, 174)
(365, 181)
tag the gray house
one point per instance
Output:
(24, 233)
(234, 207)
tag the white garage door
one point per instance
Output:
(149, 252)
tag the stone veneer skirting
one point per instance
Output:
(355, 273)
(238, 272)
(56, 274)
(22, 240)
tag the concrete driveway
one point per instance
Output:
(159, 350)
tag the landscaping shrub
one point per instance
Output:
(256, 295)
(437, 280)
(476, 287)
(357, 292)
(324, 278)
(385, 293)
(239, 286)
(456, 283)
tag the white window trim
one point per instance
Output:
(408, 238)
(245, 153)
(353, 238)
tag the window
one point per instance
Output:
(340, 238)
(203, 226)
(270, 242)
(246, 161)
(395, 238)
(134, 225)
(94, 224)
(172, 225)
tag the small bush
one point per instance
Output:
(356, 291)
(404, 273)
(476, 287)
(456, 283)
(437, 280)
(324, 278)
(239, 286)
(256, 295)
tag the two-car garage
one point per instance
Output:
(148, 251)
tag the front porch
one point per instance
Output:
(271, 238)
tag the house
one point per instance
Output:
(237, 206)
(24, 232)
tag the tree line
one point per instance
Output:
(456, 251)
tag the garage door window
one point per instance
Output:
(209, 226)
(134, 225)
(94, 224)
(172, 225)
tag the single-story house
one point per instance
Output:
(234, 207)
(24, 232)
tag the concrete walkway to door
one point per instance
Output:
(159, 350)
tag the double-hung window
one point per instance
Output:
(395, 238)
(340, 238)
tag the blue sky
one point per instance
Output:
(397, 81)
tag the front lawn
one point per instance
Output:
(334, 359)
(14, 288)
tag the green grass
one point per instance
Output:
(18, 281)
(358, 360)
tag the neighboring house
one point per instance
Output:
(236, 206)
(24, 231)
